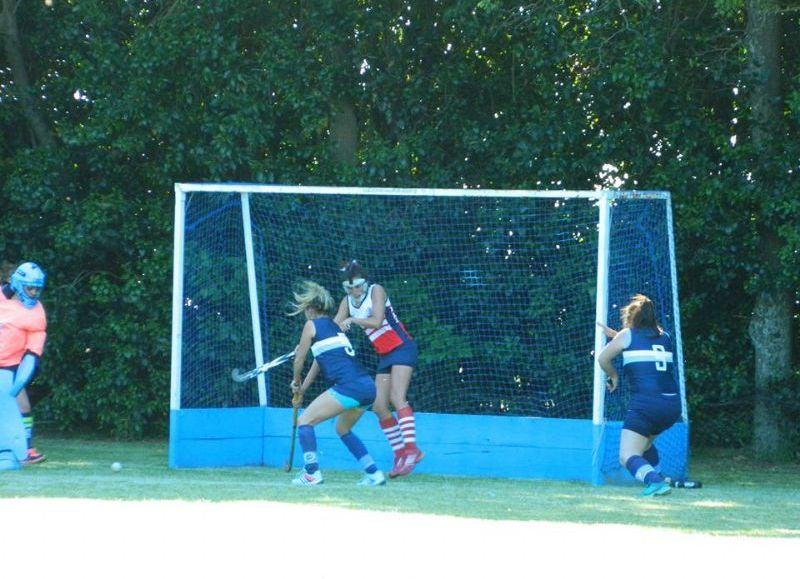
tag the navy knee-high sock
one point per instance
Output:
(643, 470)
(308, 442)
(359, 451)
(651, 455)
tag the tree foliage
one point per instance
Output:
(140, 94)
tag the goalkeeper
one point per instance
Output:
(22, 336)
(366, 305)
(352, 392)
(655, 405)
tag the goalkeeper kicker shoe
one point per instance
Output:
(305, 479)
(657, 489)
(375, 479)
(33, 457)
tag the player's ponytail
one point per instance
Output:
(311, 295)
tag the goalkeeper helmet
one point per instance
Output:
(27, 281)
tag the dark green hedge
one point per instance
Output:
(495, 94)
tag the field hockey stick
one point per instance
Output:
(290, 461)
(239, 376)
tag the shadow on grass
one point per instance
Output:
(739, 497)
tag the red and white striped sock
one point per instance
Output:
(393, 434)
(405, 417)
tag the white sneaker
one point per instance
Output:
(375, 479)
(307, 480)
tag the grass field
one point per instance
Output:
(148, 520)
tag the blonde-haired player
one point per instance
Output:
(352, 392)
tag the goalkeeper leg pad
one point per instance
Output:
(12, 430)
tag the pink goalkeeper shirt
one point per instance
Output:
(21, 330)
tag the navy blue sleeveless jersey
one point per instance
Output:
(336, 358)
(648, 363)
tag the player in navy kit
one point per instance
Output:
(366, 305)
(352, 392)
(655, 404)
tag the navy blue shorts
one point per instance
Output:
(405, 355)
(652, 415)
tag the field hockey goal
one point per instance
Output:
(501, 290)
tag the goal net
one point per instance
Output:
(501, 290)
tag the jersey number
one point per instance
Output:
(662, 365)
(348, 349)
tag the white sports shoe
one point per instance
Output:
(305, 479)
(375, 479)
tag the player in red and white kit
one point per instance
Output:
(367, 306)
(23, 331)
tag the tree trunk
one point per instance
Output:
(771, 335)
(344, 133)
(14, 55)
(770, 325)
